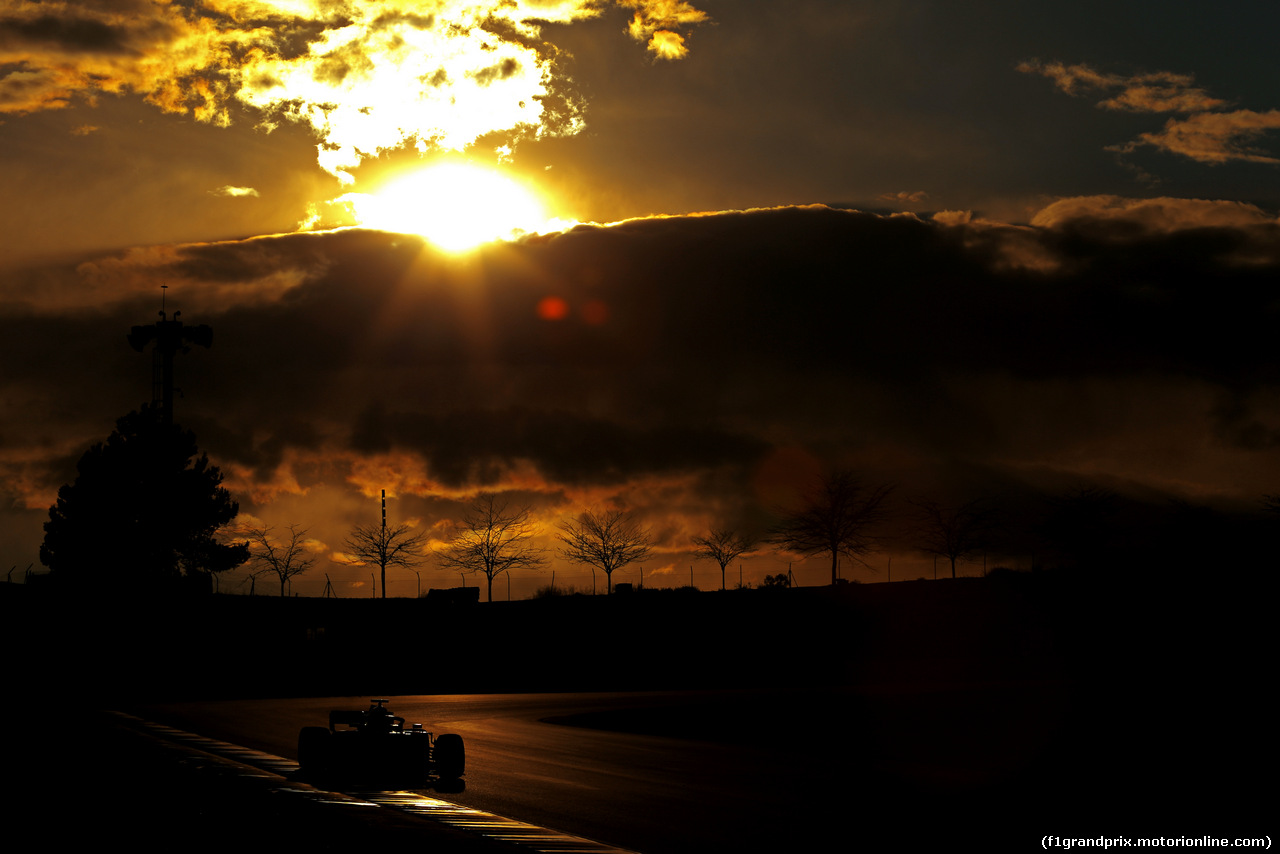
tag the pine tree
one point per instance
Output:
(142, 512)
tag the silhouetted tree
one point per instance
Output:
(723, 546)
(610, 540)
(144, 510)
(380, 546)
(492, 538)
(284, 558)
(839, 517)
(954, 533)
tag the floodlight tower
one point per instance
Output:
(170, 338)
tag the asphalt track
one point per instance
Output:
(115, 781)
(971, 719)
(545, 773)
(280, 778)
(885, 779)
(658, 773)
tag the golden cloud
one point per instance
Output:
(1214, 137)
(904, 197)
(233, 192)
(1207, 135)
(1162, 214)
(657, 22)
(1156, 92)
(176, 59)
(367, 75)
(668, 45)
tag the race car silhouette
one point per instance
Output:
(373, 744)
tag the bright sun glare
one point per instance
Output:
(454, 206)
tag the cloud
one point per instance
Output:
(1156, 92)
(1158, 215)
(58, 52)
(1208, 134)
(1214, 137)
(657, 22)
(905, 197)
(1135, 350)
(367, 76)
(234, 192)
(668, 45)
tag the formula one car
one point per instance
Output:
(373, 744)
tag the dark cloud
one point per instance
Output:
(70, 34)
(692, 323)
(952, 357)
(502, 71)
(476, 447)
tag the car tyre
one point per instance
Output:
(313, 749)
(450, 757)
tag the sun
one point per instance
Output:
(454, 206)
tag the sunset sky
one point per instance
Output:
(996, 248)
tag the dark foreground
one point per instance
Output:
(1151, 711)
(109, 782)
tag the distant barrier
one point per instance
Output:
(453, 597)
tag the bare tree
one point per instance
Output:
(839, 517)
(492, 538)
(723, 546)
(610, 540)
(284, 558)
(378, 545)
(954, 533)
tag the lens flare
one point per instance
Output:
(454, 206)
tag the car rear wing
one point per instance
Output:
(356, 719)
(345, 718)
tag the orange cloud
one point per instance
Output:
(367, 75)
(178, 61)
(656, 21)
(1214, 137)
(668, 45)
(1155, 215)
(1156, 92)
(905, 197)
(1207, 135)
